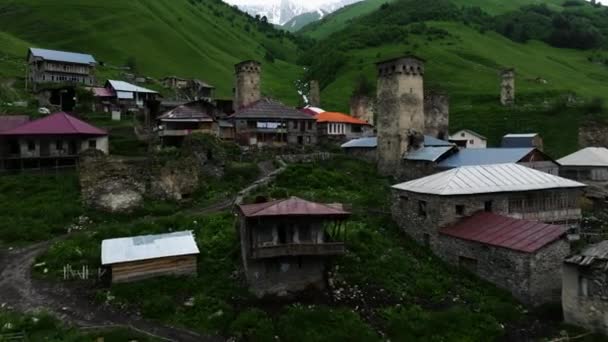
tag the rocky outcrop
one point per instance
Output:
(593, 133)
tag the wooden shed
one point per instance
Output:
(141, 257)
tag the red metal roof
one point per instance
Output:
(102, 92)
(56, 124)
(292, 206)
(501, 231)
(339, 117)
(8, 122)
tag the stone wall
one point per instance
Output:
(588, 311)
(362, 107)
(367, 154)
(593, 134)
(546, 268)
(437, 115)
(314, 94)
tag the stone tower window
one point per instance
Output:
(422, 209)
(460, 210)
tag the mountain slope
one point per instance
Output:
(201, 39)
(296, 23)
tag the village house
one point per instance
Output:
(53, 141)
(142, 257)
(105, 99)
(194, 117)
(189, 89)
(585, 288)
(588, 164)
(339, 128)
(51, 66)
(366, 148)
(129, 96)
(468, 139)
(488, 219)
(174, 82)
(522, 140)
(285, 244)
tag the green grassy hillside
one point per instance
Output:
(201, 39)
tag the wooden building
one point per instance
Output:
(193, 117)
(588, 164)
(339, 128)
(285, 243)
(141, 257)
(130, 96)
(52, 66)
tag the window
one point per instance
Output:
(427, 239)
(305, 233)
(356, 129)
(422, 208)
(472, 142)
(403, 201)
(308, 139)
(59, 145)
(309, 125)
(295, 124)
(460, 210)
(92, 144)
(31, 145)
(487, 206)
(462, 134)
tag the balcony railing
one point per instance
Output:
(183, 132)
(319, 249)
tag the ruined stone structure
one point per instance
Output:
(248, 83)
(285, 244)
(507, 87)
(314, 94)
(585, 288)
(593, 133)
(437, 115)
(400, 108)
(362, 108)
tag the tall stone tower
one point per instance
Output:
(400, 110)
(247, 88)
(314, 94)
(362, 107)
(437, 115)
(507, 87)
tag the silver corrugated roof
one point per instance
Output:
(590, 254)
(146, 247)
(430, 141)
(63, 56)
(485, 156)
(429, 153)
(370, 142)
(468, 180)
(122, 86)
(590, 156)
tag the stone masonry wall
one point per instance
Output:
(546, 268)
(587, 311)
(437, 115)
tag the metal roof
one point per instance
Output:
(56, 124)
(147, 247)
(429, 153)
(482, 179)
(520, 135)
(102, 92)
(370, 142)
(485, 156)
(122, 86)
(590, 254)
(270, 109)
(8, 122)
(292, 206)
(62, 56)
(430, 141)
(335, 117)
(194, 111)
(468, 131)
(518, 140)
(506, 232)
(590, 156)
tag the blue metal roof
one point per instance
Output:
(430, 141)
(63, 56)
(518, 140)
(432, 153)
(370, 142)
(485, 156)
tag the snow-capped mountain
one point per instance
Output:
(279, 12)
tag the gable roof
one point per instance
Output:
(468, 131)
(483, 179)
(114, 251)
(312, 110)
(432, 153)
(56, 124)
(128, 87)
(339, 118)
(519, 140)
(590, 156)
(189, 112)
(102, 92)
(267, 108)
(62, 56)
(430, 141)
(506, 232)
(292, 206)
(8, 122)
(369, 142)
(485, 156)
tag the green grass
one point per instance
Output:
(189, 39)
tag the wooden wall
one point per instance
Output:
(138, 270)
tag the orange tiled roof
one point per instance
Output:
(338, 117)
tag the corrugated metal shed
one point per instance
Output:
(590, 156)
(370, 142)
(591, 254)
(270, 109)
(506, 232)
(468, 180)
(485, 156)
(125, 87)
(292, 206)
(147, 247)
(518, 140)
(429, 153)
(62, 56)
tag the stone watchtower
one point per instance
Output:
(507, 87)
(437, 115)
(247, 88)
(400, 109)
(314, 94)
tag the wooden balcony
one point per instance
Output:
(300, 249)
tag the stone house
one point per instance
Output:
(174, 82)
(428, 207)
(142, 257)
(588, 164)
(585, 288)
(285, 244)
(362, 148)
(466, 138)
(193, 117)
(52, 66)
(339, 128)
(189, 89)
(268, 122)
(53, 141)
(524, 140)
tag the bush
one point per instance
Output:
(253, 325)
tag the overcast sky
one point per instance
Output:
(303, 3)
